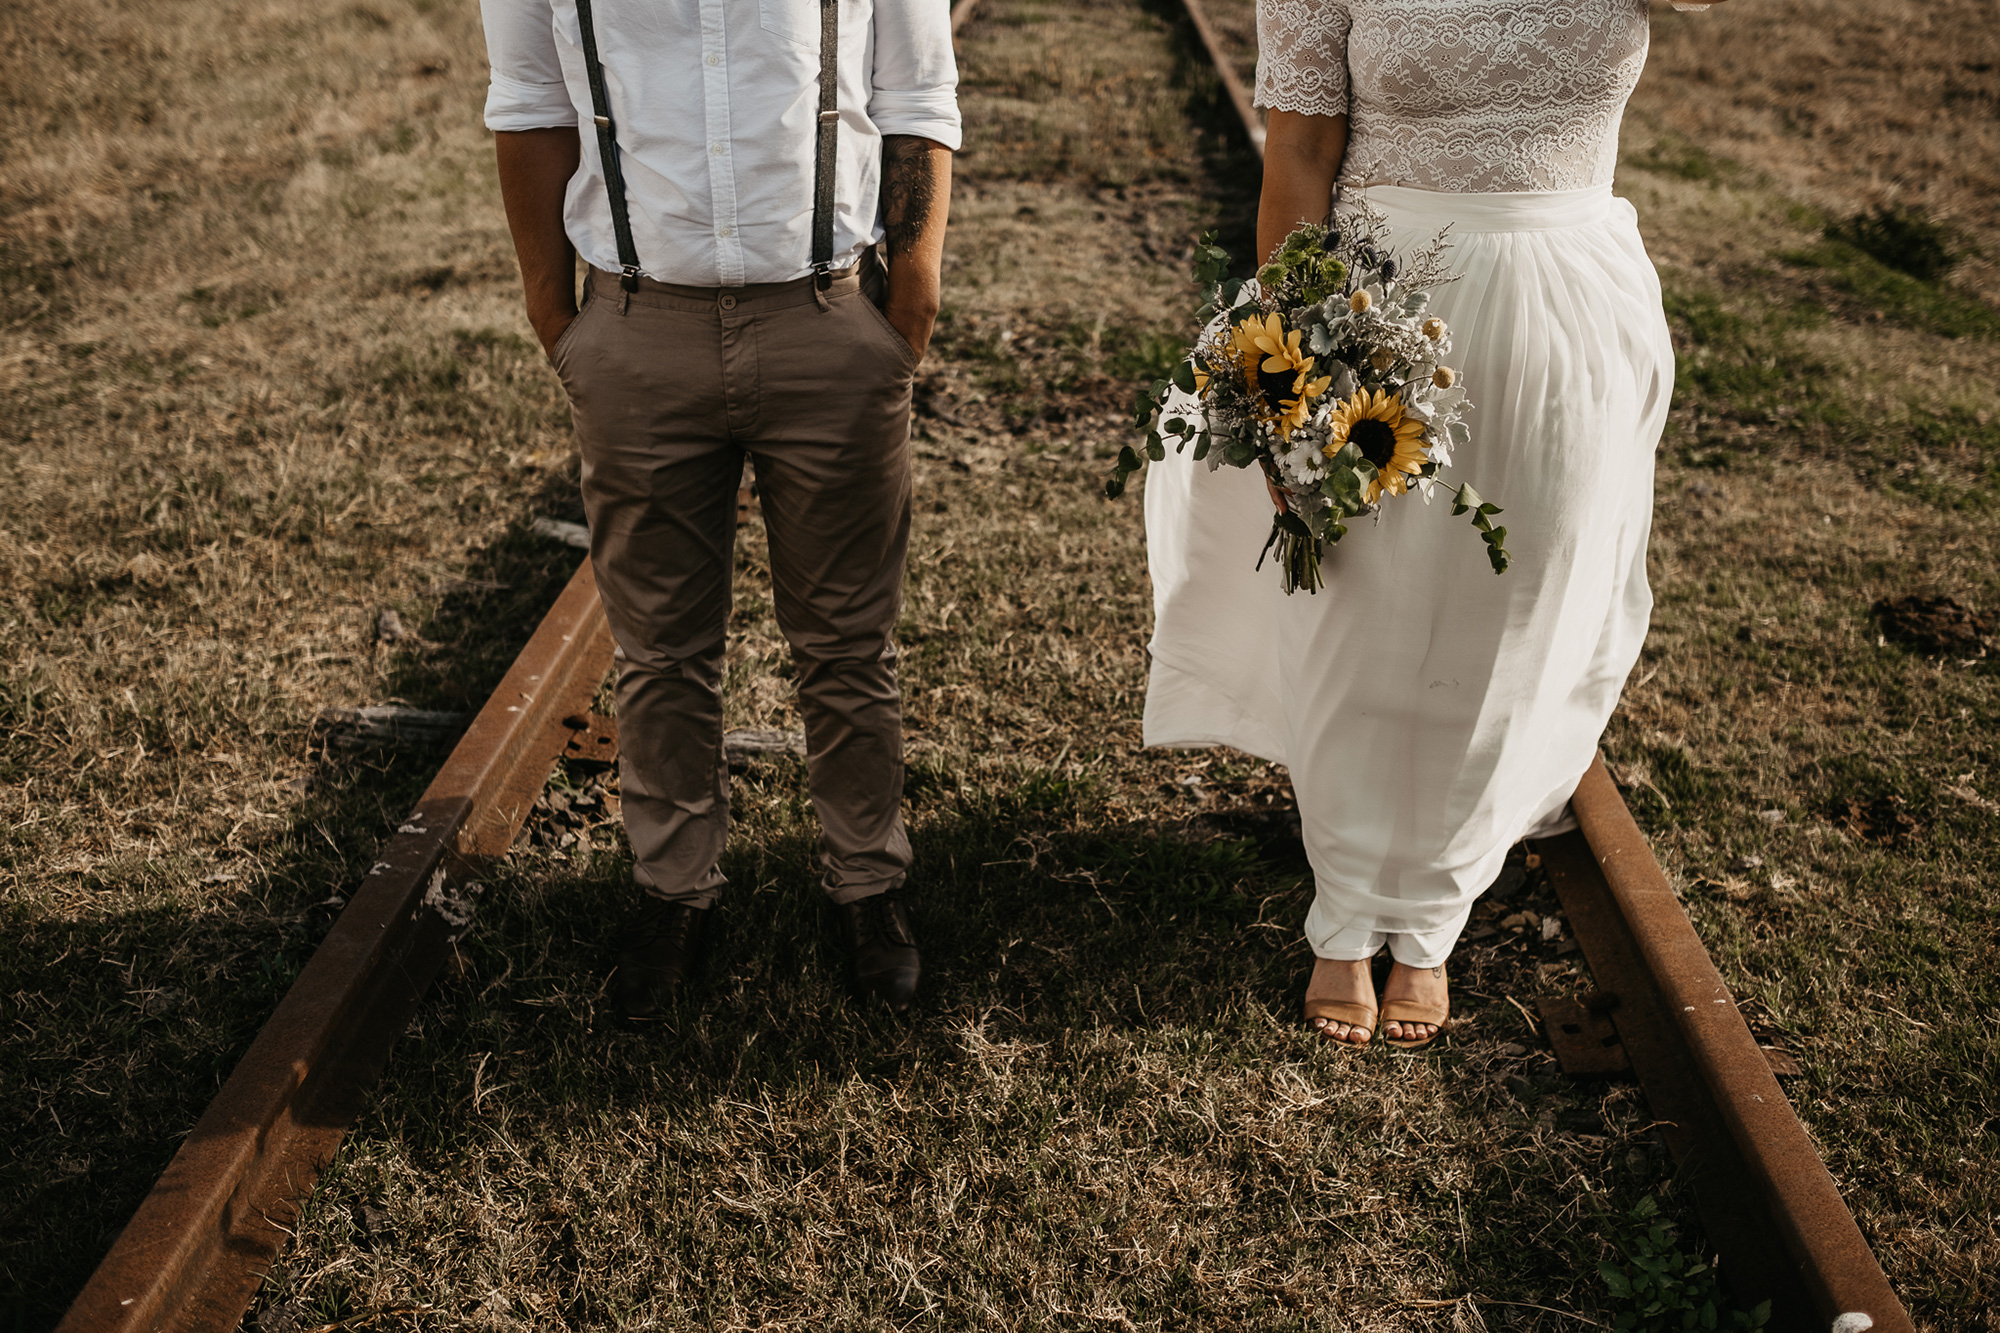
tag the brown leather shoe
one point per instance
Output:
(881, 949)
(662, 944)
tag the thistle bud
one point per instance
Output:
(1434, 329)
(1444, 377)
(1359, 302)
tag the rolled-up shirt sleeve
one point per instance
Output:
(915, 77)
(527, 90)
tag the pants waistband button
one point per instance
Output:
(727, 303)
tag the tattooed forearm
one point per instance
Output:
(910, 193)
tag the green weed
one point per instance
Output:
(1664, 1288)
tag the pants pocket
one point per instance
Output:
(559, 354)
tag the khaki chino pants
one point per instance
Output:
(672, 387)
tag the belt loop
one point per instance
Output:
(822, 279)
(624, 298)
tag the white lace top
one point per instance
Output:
(1459, 95)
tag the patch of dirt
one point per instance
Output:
(1935, 626)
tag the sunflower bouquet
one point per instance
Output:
(1325, 372)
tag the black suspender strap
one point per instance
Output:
(607, 152)
(823, 148)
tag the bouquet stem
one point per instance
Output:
(1298, 553)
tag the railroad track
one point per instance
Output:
(195, 1251)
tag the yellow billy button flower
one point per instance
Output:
(1374, 423)
(1382, 359)
(1444, 377)
(1359, 302)
(1433, 329)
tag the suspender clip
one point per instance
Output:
(602, 122)
(628, 277)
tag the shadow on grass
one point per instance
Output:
(1104, 1055)
(1023, 903)
(138, 1016)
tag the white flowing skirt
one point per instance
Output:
(1431, 713)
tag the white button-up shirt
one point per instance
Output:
(715, 104)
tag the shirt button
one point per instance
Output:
(715, 60)
(725, 232)
(715, 148)
(728, 303)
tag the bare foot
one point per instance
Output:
(1416, 985)
(1344, 983)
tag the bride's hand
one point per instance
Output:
(1277, 496)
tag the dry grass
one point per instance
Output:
(266, 375)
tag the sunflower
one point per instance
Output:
(1280, 370)
(1374, 422)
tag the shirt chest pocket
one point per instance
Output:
(794, 20)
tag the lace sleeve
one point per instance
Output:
(1302, 56)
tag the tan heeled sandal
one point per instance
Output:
(1410, 1011)
(1340, 1011)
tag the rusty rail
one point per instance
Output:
(193, 1254)
(1232, 83)
(960, 12)
(1765, 1198)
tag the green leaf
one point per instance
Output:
(1128, 461)
(1211, 261)
(1155, 450)
(1174, 426)
(1343, 486)
(1114, 487)
(1184, 377)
